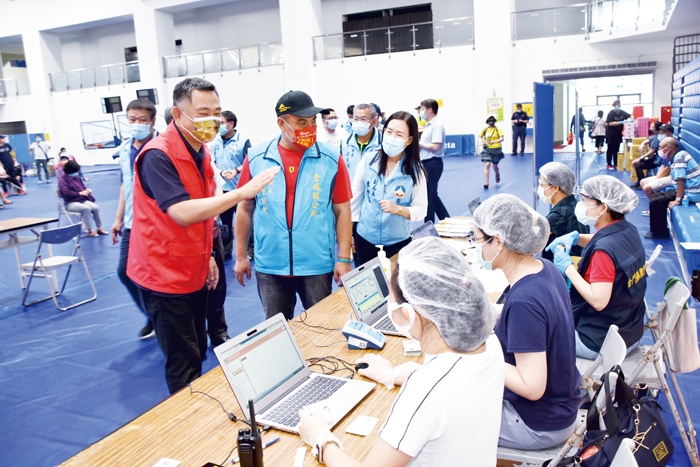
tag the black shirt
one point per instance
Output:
(614, 116)
(519, 115)
(160, 179)
(6, 157)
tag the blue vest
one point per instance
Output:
(229, 155)
(375, 225)
(620, 241)
(351, 150)
(308, 248)
(128, 178)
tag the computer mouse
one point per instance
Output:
(361, 366)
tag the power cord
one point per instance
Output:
(312, 341)
(331, 365)
(302, 320)
(231, 416)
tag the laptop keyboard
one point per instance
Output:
(316, 390)
(384, 324)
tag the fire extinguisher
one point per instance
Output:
(571, 138)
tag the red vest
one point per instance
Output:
(162, 255)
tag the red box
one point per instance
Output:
(637, 111)
(665, 115)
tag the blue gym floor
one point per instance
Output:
(67, 379)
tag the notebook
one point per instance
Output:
(368, 292)
(265, 364)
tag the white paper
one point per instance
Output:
(362, 426)
(299, 458)
(165, 462)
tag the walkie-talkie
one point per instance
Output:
(250, 450)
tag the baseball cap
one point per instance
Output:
(299, 104)
(3, 136)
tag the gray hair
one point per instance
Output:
(183, 90)
(372, 109)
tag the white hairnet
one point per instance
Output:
(440, 285)
(520, 228)
(611, 191)
(560, 175)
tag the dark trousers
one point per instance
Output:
(39, 163)
(278, 294)
(433, 168)
(132, 288)
(227, 219)
(366, 251)
(657, 211)
(614, 142)
(6, 183)
(519, 132)
(599, 140)
(642, 165)
(581, 135)
(179, 322)
(356, 257)
(216, 318)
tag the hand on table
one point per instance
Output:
(379, 370)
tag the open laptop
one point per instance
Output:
(425, 230)
(473, 204)
(368, 292)
(265, 364)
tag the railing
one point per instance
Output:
(218, 61)
(107, 75)
(585, 18)
(13, 87)
(405, 38)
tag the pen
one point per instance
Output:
(268, 444)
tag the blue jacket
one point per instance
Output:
(375, 225)
(230, 155)
(128, 178)
(308, 248)
(351, 151)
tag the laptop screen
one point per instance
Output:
(263, 362)
(425, 230)
(473, 204)
(368, 289)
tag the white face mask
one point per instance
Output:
(542, 196)
(331, 123)
(361, 128)
(403, 330)
(581, 212)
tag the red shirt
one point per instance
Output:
(342, 192)
(600, 269)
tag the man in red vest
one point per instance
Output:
(170, 252)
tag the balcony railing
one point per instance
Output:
(107, 75)
(218, 61)
(13, 87)
(585, 18)
(405, 38)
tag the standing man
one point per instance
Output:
(40, 149)
(141, 116)
(519, 120)
(348, 124)
(613, 134)
(170, 250)
(7, 159)
(581, 126)
(363, 139)
(228, 151)
(299, 216)
(432, 147)
(330, 133)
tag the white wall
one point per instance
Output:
(93, 47)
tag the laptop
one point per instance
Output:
(368, 292)
(265, 364)
(425, 230)
(473, 204)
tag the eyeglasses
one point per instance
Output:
(362, 119)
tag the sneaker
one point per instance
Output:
(611, 167)
(636, 186)
(7, 194)
(148, 332)
(21, 192)
(215, 342)
(646, 213)
(40, 182)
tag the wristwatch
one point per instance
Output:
(678, 199)
(321, 443)
(400, 210)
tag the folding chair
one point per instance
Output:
(62, 211)
(42, 265)
(625, 455)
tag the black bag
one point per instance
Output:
(635, 418)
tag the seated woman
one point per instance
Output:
(448, 411)
(536, 327)
(389, 190)
(609, 285)
(77, 198)
(557, 183)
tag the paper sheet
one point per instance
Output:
(362, 426)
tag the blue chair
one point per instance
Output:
(43, 265)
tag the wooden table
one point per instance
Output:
(13, 227)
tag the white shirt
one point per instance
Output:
(419, 196)
(434, 133)
(331, 139)
(41, 150)
(449, 412)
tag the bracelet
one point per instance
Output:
(344, 257)
(348, 261)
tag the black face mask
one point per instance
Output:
(490, 123)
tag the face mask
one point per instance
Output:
(403, 330)
(332, 123)
(491, 123)
(661, 138)
(304, 138)
(205, 128)
(581, 212)
(393, 146)
(360, 128)
(139, 130)
(480, 256)
(541, 195)
(617, 107)
(73, 175)
(223, 129)
(38, 140)
(663, 154)
(422, 116)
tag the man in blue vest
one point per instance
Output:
(298, 216)
(363, 139)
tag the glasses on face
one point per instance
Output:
(361, 119)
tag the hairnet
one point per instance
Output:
(560, 175)
(439, 284)
(520, 228)
(611, 191)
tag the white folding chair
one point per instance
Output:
(625, 455)
(62, 211)
(41, 266)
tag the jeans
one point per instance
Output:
(132, 288)
(433, 168)
(658, 204)
(85, 209)
(278, 294)
(179, 322)
(216, 319)
(517, 435)
(39, 163)
(584, 352)
(367, 251)
(519, 132)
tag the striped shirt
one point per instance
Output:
(685, 168)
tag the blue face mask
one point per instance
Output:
(661, 137)
(223, 129)
(422, 116)
(360, 128)
(393, 146)
(139, 131)
(74, 175)
(480, 256)
(617, 107)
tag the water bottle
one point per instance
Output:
(685, 201)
